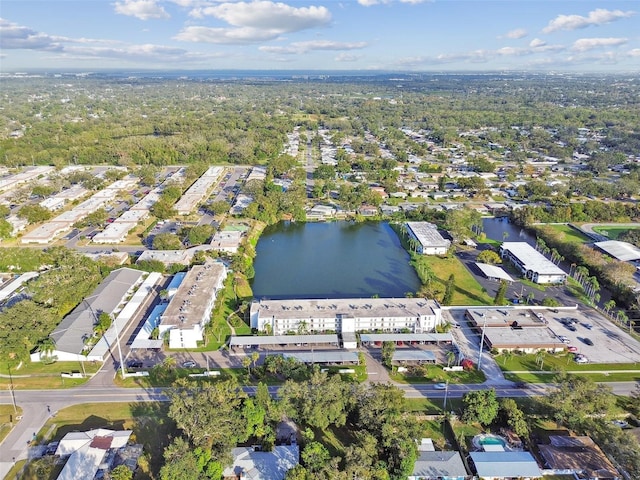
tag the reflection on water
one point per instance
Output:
(337, 259)
(495, 228)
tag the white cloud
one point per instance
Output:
(516, 34)
(142, 9)
(226, 36)
(303, 47)
(635, 52)
(370, 3)
(536, 42)
(596, 17)
(347, 57)
(263, 14)
(584, 44)
(14, 36)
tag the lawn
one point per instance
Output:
(568, 234)
(43, 376)
(435, 374)
(612, 232)
(148, 420)
(531, 368)
(467, 290)
(7, 419)
(16, 259)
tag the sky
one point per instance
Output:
(372, 35)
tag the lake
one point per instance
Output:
(332, 260)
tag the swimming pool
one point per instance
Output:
(490, 442)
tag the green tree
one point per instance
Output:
(480, 406)
(315, 456)
(572, 390)
(220, 207)
(489, 256)
(166, 241)
(180, 462)
(514, 417)
(210, 414)
(450, 289)
(34, 213)
(200, 234)
(121, 472)
(320, 402)
(500, 298)
(388, 349)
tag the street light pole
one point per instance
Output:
(446, 391)
(11, 389)
(484, 326)
(115, 325)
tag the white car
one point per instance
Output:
(581, 359)
(189, 364)
(440, 386)
(564, 339)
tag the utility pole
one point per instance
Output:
(115, 325)
(484, 326)
(11, 389)
(446, 391)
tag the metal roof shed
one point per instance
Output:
(505, 465)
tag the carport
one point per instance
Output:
(412, 338)
(324, 358)
(493, 272)
(282, 340)
(413, 357)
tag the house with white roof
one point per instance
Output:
(252, 464)
(87, 451)
(532, 264)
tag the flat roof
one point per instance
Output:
(346, 307)
(240, 341)
(406, 337)
(506, 337)
(114, 232)
(46, 232)
(623, 251)
(427, 234)
(337, 356)
(505, 316)
(531, 259)
(493, 271)
(189, 305)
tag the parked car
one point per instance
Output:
(581, 359)
(588, 341)
(563, 339)
(189, 364)
(572, 349)
(134, 364)
(588, 326)
(620, 423)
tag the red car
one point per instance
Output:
(572, 349)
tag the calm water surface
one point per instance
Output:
(332, 260)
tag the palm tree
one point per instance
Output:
(540, 359)
(169, 363)
(47, 347)
(451, 357)
(610, 305)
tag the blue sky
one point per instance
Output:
(396, 35)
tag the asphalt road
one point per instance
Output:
(39, 405)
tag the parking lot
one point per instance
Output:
(610, 343)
